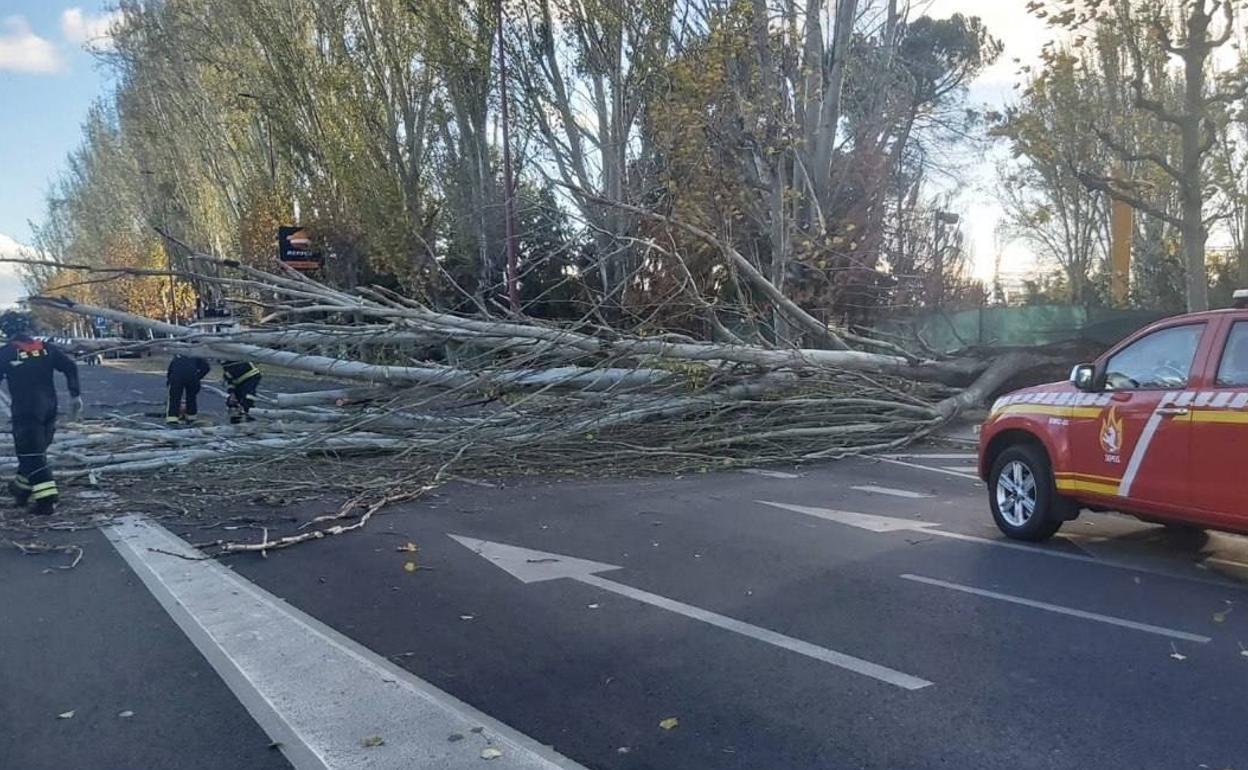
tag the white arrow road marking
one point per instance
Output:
(872, 488)
(530, 566)
(310, 688)
(1060, 610)
(874, 523)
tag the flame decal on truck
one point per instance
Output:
(1111, 432)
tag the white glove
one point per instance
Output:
(75, 407)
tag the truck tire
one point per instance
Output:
(1025, 503)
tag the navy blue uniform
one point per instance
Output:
(28, 365)
(242, 378)
(182, 378)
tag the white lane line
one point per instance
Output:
(969, 470)
(891, 491)
(1060, 610)
(310, 688)
(770, 474)
(1226, 562)
(931, 468)
(933, 456)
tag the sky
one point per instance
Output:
(49, 79)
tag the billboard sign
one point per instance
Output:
(294, 248)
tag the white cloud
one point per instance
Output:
(21, 50)
(91, 32)
(11, 288)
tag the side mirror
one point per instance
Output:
(1083, 377)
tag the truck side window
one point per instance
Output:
(1233, 372)
(1161, 360)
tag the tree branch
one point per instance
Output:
(1106, 185)
(1125, 154)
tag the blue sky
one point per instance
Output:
(47, 83)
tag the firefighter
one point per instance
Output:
(242, 378)
(182, 378)
(29, 365)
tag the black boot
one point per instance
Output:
(45, 506)
(20, 496)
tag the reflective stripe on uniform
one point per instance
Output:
(173, 418)
(246, 376)
(44, 490)
(21, 482)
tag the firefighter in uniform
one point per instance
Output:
(29, 364)
(182, 378)
(242, 378)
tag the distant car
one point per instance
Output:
(215, 326)
(1157, 427)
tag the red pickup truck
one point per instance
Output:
(1157, 427)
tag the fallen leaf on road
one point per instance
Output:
(407, 548)
(1174, 653)
(669, 723)
(126, 714)
(623, 750)
(489, 752)
(465, 617)
(373, 741)
(454, 738)
(1220, 617)
(409, 566)
(593, 606)
(65, 715)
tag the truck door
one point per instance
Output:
(1139, 446)
(1220, 432)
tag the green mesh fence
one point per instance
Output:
(1020, 326)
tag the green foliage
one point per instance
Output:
(803, 143)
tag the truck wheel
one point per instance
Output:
(1024, 500)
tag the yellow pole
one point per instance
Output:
(1119, 252)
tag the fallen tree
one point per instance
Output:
(420, 393)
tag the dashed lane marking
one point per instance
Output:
(1060, 610)
(932, 456)
(932, 468)
(770, 473)
(873, 489)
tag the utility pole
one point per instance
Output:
(513, 284)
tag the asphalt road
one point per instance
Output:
(861, 614)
